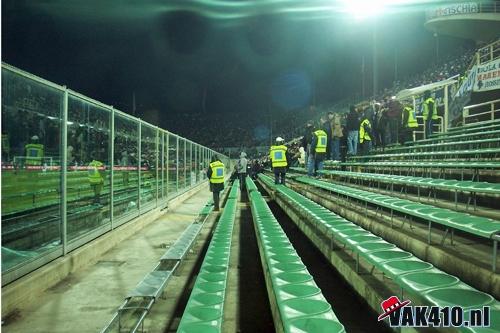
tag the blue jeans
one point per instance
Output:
(429, 124)
(314, 165)
(310, 165)
(352, 142)
(335, 151)
(318, 166)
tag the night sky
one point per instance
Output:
(211, 55)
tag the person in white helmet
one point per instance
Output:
(279, 160)
(241, 169)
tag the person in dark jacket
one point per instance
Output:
(326, 127)
(352, 127)
(215, 175)
(307, 140)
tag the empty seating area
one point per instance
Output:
(296, 302)
(205, 309)
(414, 276)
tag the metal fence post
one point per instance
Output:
(177, 165)
(64, 174)
(112, 166)
(156, 166)
(139, 157)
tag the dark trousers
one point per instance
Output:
(279, 175)
(429, 127)
(216, 199)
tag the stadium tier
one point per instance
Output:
(335, 167)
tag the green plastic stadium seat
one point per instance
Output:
(300, 307)
(317, 325)
(458, 295)
(396, 268)
(427, 280)
(298, 290)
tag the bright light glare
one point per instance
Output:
(362, 9)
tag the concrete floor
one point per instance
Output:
(85, 301)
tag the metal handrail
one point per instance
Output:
(466, 111)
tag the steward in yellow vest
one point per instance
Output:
(279, 160)
(409, 117)
(365, 139)
(34, 152)
(96, 178)
(216, 175)
(318, 152)
(429, 113)
(410, 123)
(430, 109)
(321, 141)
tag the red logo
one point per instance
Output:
(390, 305)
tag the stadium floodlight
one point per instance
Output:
(362, 9)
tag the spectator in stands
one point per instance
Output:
(318, 152)
(335, 125)
(307, 140)
(302, 157)
(409, 123)
(215, 174)
(343, 147)
(327, 128)
(353, 131)
(381, 124)
(279, 160)
(241, 169)
(365, 129)
(394, 111)
(429, 112)
(125, 163)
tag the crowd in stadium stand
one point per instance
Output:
(38, 112)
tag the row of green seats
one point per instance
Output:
(418, 277)
(443, 184)
(297, 302)
(204, 311)
(462, 130)
(470, 145)
(463, 136)
(471, 153)
(475, 125)
(416, 164)
(475, 225)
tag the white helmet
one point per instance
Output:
(280, 139)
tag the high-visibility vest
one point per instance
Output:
(94, 173)
(412, 120)
(364, 135)
(425, 113)
(34, 153)
(278, 156)
(217, 176)
(322, 140)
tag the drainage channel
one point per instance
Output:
(350, 308)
